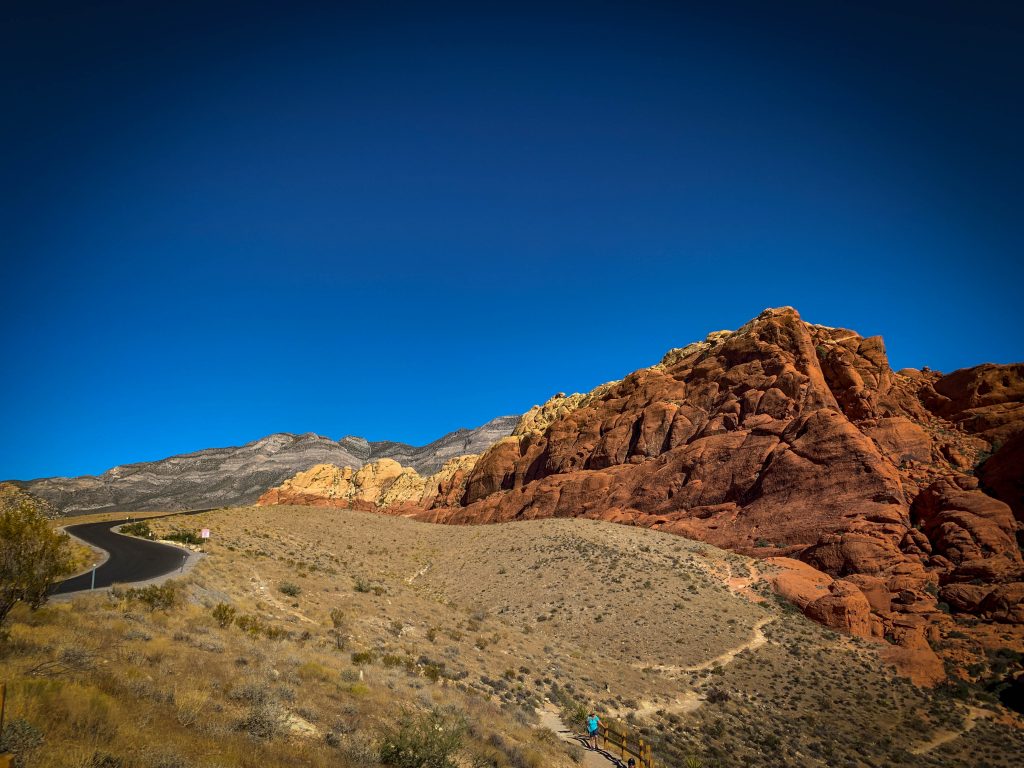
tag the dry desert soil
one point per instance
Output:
(305, 636)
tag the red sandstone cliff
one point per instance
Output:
(792, 440)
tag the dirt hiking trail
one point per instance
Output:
(549, 718)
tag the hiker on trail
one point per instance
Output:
(631, 763)
(592, 725)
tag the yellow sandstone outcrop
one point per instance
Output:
(379, 484)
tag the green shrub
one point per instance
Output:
(140, 529)
(432, 672)
(390, 660)
(428, 740)
(275, 633)
(363, 657)
(184, 536)
(339, 627)
(156, 597)
(32, 555)
(224, 614)
(292, 590)
(251, 625)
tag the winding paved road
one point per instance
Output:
(131, 559)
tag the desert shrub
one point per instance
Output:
(190, 706)
(275, 633)
(311, 670)
(32, 556)
(184, 536)
(265, 720)
(19, 738)
(717, 696)
(104, 760)
(576, 753)
(486, 757)
(164, 758)
(252, 692)
(573, 714)
(525, 757)
(82, 711)
(363, 657)
(255, 627)
(140, 529)
(545, 736)
(428, 740)
(358, 748)
(224, 614)
(156, 597)
(292, 590)
(339, 627)
(954, 689)
(362, 585)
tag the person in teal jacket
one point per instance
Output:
(593, 723)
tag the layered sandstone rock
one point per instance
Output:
(1002, 476)
(786, 438)
(836, 603)
(794, 441)
(379, 484)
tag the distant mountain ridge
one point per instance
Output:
(216, 477)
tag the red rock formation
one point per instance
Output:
(1002, 474)
(786, 438)
(839, 604)
(987, 399)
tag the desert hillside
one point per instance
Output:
(780, 439)
(304, 635)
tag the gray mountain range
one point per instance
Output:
(218, 477)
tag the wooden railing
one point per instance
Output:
(617, 739)
(5, 758)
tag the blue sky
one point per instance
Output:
(222, 220)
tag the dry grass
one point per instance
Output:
(491, 621)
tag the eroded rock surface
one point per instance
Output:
(796, 442)
(786, 438)
(379, 484)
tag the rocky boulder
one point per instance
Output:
(1002, 473)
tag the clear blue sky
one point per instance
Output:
(222, 220)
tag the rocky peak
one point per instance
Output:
(240, 475)
(792, 440)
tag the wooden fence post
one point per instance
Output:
(5, 758)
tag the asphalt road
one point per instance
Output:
(131, 559)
